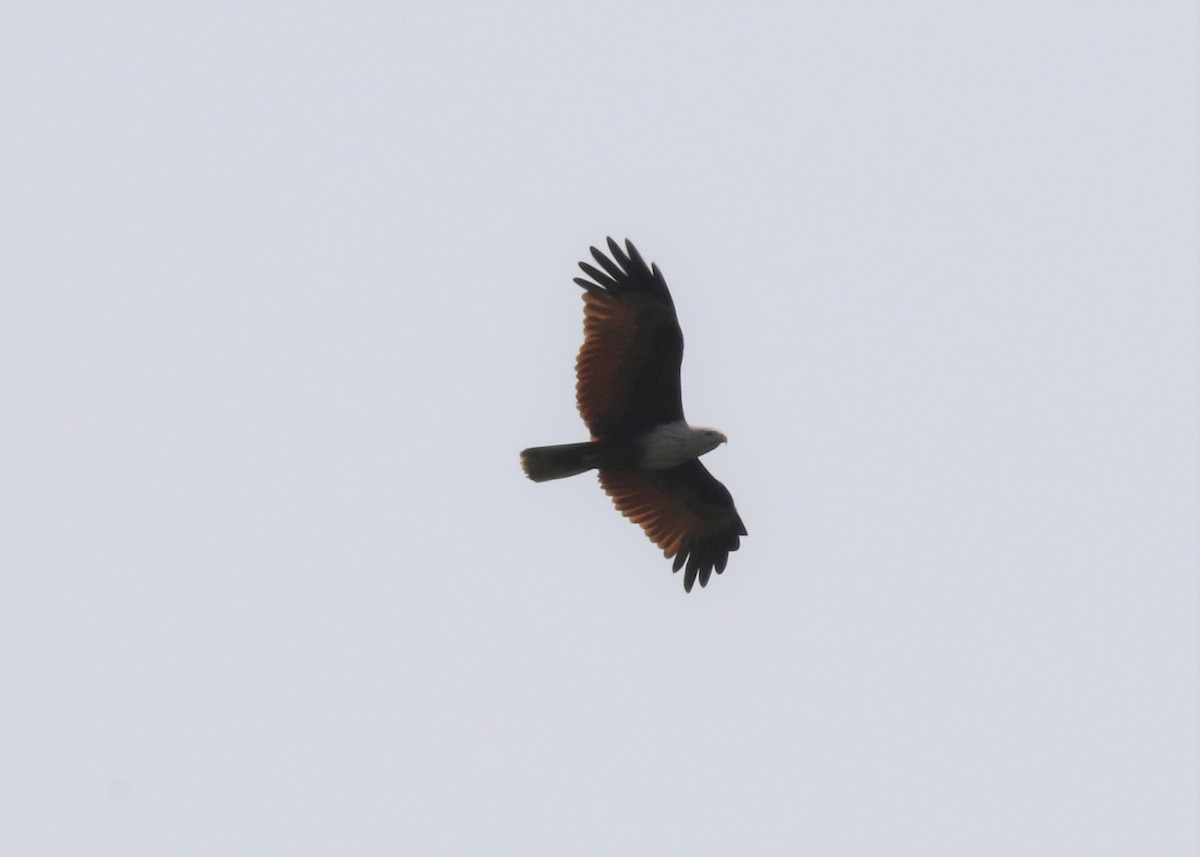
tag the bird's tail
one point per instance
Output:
(542, 463)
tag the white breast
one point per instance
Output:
(671, 444)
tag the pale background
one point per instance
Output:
(284, 288)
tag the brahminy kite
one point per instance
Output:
(628, 393)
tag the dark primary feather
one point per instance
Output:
(628, 274)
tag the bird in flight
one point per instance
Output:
(628, 394)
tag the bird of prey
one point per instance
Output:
(628, 394)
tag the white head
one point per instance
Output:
(707, 439)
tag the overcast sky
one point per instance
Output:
(285, 288)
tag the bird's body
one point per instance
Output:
(628, 393)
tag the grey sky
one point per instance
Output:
(284, 289)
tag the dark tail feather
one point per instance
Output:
(542, 463)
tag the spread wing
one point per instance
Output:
(684, 510)
(628, 367)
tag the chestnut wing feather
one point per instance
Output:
(685, 511)
(628, 367)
